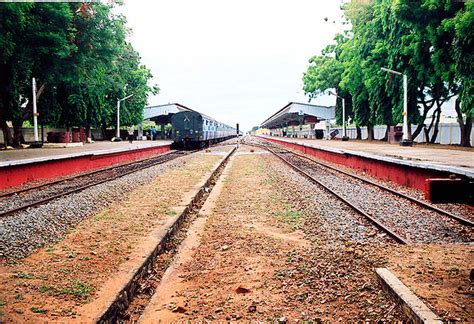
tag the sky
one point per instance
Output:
(237, 61)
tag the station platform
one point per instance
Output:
(20, 166)
(409, 166)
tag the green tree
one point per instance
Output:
(79, 54)
(324, 73)
(34, 40)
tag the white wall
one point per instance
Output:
(448, 133)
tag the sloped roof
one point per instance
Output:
(159, 110)
(296, 111)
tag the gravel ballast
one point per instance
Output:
(416, 224)
(24, 232)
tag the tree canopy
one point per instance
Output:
(83, 63)
(430, 41)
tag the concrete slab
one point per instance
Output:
(27, 156)
(415, 309)
(441, 159)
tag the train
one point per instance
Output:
(191, 129)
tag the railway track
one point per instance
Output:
(329, 177)
(41, 194)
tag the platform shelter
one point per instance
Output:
(299, 120)
(161, 115)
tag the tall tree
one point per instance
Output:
(79, 54)
(324, 73)
(37, 44)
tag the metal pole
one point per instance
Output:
(35, 113)
(118, 119)
(405, 109)
(344, 130)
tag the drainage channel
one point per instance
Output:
(132, 300)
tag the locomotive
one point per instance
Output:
(191, 129)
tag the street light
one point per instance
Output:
(118, 114)
(344, 130)
(36, 143)
(406, 141)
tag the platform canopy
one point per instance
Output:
(161, 114)
(295, 113)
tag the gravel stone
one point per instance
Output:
(26, 231)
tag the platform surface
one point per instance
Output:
(420, 155)
(25, 156)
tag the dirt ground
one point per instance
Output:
(232, 273)
(439, 275)
(57, 280)
(256, 252)
(251, 261)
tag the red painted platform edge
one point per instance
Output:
(16, 175)
(401, 174)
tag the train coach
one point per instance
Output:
(191, 129)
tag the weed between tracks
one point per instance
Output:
(148, 285)
(62, 277)
(334, 279)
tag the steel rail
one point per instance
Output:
(460, 219)
(373, 220)
(167, 158)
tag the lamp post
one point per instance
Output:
(118, 115)
(406, 140)
(36, 142)
(344, 130)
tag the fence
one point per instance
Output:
(449, 133)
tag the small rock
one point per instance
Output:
(225, 248)
(179, 309)
(252, 309)
(242, 290)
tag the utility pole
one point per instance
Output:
(406, 140)
(36, 143)
(344, 129)
(118, 116)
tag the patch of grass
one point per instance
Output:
(38, 310)
(65, 271)
(18, 311)
(85, 258)
(78, 289)
(50, 250)
(290, 217)
(23, 275)
(281, 273)
(292, 256)
(302, 266)
(18, 296)
(44, 289)
(170, 212)
(268, 182)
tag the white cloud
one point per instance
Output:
(238, 61)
